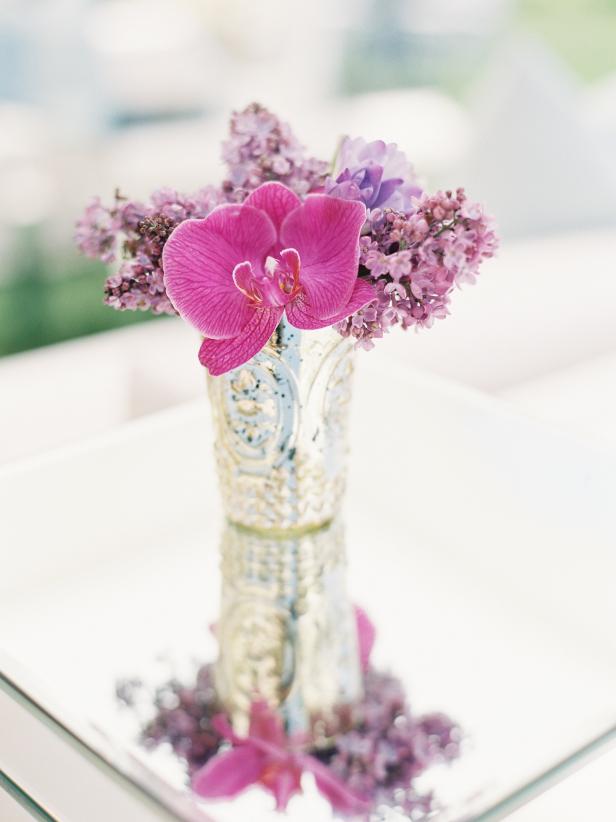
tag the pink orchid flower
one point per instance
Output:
(271, 759)
(233, 274)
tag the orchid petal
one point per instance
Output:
(366, 634)
(198, 262)
(341, 797)
(229, 773)
(220, 356)
(266, 724)
(276, 200)
(301, 316)
(325, 231)
(284, 783)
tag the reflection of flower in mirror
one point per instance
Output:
(373, 749)
(379, 747)
(270, 758)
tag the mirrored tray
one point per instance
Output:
(479, 541)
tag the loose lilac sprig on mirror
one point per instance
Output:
(361, 248)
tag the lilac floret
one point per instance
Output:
(261, 148)
(380, 747)
(416, 260)
(377, 747)
(138, 231)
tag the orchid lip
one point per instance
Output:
(275, 285)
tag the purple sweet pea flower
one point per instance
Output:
(376, 173)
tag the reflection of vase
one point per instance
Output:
(286, 631)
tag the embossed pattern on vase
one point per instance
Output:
(286, 630)
(280, 424)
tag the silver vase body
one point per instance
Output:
(286, 630)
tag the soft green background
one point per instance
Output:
(54, 297)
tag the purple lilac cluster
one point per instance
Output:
(182, 716)
(415, 248)
(415, 261)
(380, 748)
(375, 746)
(261, 148)
(139, 232)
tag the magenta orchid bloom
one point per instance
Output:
(271, 759)
(235, 273)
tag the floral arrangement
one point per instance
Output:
(358, 246)
(363, 757)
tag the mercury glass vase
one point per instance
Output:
(286, 629)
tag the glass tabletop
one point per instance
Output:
(485, 564)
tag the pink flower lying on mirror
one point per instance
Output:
(234, 274)
(269, 758)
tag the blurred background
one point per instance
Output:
(514, 99)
